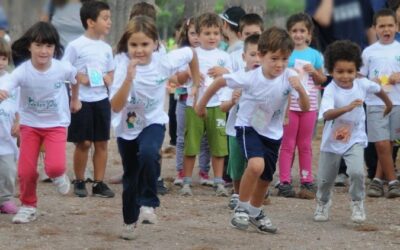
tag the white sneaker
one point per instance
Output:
(25, 215)
(147, 215)
(186, 190)
(63, 184)
(128, 231)
(358, 212)
(221, 190)
(233, 202)
(262, 223)
(240, 218)
(322, 211)
(204, 179)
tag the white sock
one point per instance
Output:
(244, 204)
(254, 211)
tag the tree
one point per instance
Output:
(193, 8)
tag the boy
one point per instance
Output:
(344, 131)
(230, 27)
(91, 125)
(259, 122)
(208, 27)
(381, 63)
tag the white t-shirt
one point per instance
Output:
(8, 109)
(43, 95)
(353, 123)
(237, 60)
(84, 52)
(263, 101)
(207, 60)
(379, 61)
(145, 104)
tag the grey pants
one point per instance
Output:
(328, 168)
(8, 172)
(204, 157)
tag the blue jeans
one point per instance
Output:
(141, 163)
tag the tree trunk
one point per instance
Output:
(250, 6)
(193, 8)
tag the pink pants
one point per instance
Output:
(298, 132)
(54, 140)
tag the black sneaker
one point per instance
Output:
(161, 188)
(80, 188)
(286, 190)
(100, 189)
(263, 224)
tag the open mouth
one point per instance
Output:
(256, 66)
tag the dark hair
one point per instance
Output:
(145, 9)
(137, 24)
(5, 49)
(298, 18)
(183, 39)
(342, 50)
(393, 4)
(250, 19)
(91, 10)
(41, 32)
(208, 19)
(252, 39)
(274, 39)
(383, 13)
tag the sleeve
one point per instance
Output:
(311, 6)
(71, 73)
(12, 81)
(226, 94)
(365, 63)
(319, 60)
(228, 63)
(119, 75)
(327, 101)
(174, 60)
(239, 79)
(110, 62)
(70, 55)
(371, 86)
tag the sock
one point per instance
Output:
(187, 180)
(254, 211)
(378, 180)
(244, 204)
(393, 182)
(218, 180)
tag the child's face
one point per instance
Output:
(344, 73)
(250, 56)
(274, 63)
(3, 63)
(141, 47)
(209, 37)
(385, 29)
(249, 30)
(41, 54)
(102, 24)
(300, 34)
(193, 37)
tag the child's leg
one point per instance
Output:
(290, 134)
(327, 171)
(236, 163)
(304, 139)
(355, 170)
(204, 156)
(81, 155)
(100, 159)
(55, 140)
(8, 172)
(180, 133)
(218, 168)
(258, 196)
(385, 167)
(255, 167)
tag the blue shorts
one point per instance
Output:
(256, 145)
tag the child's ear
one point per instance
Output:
(90, 22)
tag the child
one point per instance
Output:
(265, 92)
(230, 98)
(9, 130)
(208, 28)
(91, 125)
(44, 112)
(230, 27)
(381, 63)
(139, 86)
(299, 130)
(344, 131)
(395, 6)
(188, 37)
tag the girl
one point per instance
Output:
(137, 95)
(299, 130)
(9, 129)
(44, 111)
(188, 38)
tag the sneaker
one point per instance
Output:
(100, 189)
(161, 188)
(80, 188)
(358, 213)
(205, 179)
(233, 201)
(147, 215)
(8, 207)
(375, 189)
(25, 215)
(128, 231)
(285, 189)
(263, 224)
(322, 211)
(179, 178)
(394, 190)
(220, 190)
(186, 190)
(340, 180)
(62, 183)
(307, 191)
(240, 218)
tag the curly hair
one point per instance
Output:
(342, 50)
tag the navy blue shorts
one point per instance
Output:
(256, 145)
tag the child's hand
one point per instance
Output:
(377, 80)
(131, 70)
(200, 111)
(394, 78)
(295, 83)
(236, 95)
(388, 109)
(15, 129)
(75, 105)
(214, 72)
(309, 69)
(3, 95)
(354, 104)
(108, 79)
(83, 79)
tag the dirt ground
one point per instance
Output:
(200, 222)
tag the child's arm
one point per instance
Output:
(15, 126)
(317, 75)
(217, 71)
(304, 102)
(227, 105)
(218, 83)
(384, 97)
(195, 72)
(394, 78)
(75, 104)
(335, 113)
(108, 78)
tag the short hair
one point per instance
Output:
(5, 49)
(91, 10)
(145, 9)
(393, 4)
(251, 19)
(342, 50)
(252, 39)
(274, 39)
(383, 13)
(300, 17)
(208, 19)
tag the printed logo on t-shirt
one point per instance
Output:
(161, 80)
(58, 84)
(221, 63)
(42, 106)
(131, 119)
(347, 11)
(4, 114)
(286, 92)
(276, 114)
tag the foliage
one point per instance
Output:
(285, 7)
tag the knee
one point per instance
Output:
(383, 147)
(355, 174)
(84, 146)
(149, 153)
(55, 169)
(101, 146)
(255, 169)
